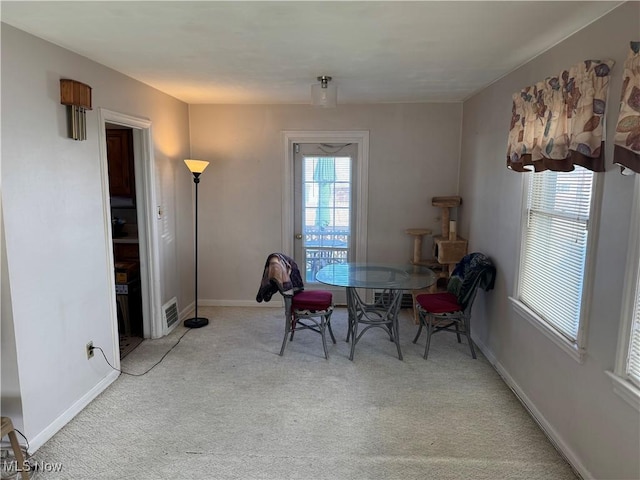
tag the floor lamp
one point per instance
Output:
(196, 167)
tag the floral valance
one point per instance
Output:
(626, 149)
(558, 123)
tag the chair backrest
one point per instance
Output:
(473, 271)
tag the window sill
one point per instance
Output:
(624, 389)
(572, 350)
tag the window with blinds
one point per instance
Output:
(633, 361)
(555, 247)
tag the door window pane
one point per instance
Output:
(326, 211)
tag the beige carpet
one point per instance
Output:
(224, 405)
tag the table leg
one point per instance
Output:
(396, 311)
(351, 310)
(381, 314)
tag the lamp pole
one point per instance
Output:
(196, 167)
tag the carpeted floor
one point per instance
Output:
(224, 405)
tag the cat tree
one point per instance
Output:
(448, 247)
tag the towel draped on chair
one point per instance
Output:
(303, 309)
(451, 310)
(281, 274)
(473, 268)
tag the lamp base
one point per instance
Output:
(196, 322)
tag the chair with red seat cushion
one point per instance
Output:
(451, 310)
(309, 310)
(303, 309)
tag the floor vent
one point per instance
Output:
(406, 302)
(170, 312)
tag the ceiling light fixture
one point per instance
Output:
(323, 94)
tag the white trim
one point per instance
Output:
(630, 283)
(361, 138)
(146, 199)
(47, 433)
(275, 302)
(565, 345)
(621, 385)
(524, 192)
(547, 427)
(108, 239)
(593, 227)
(625, 390)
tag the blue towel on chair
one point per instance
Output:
(474, 269)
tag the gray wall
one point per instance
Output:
(414, 150)
(597, 430)
(56, 293)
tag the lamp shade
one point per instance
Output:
(196, 166)
(324, 94)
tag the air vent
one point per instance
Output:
(170, 313)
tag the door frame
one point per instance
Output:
(144, 167)
(361, 175)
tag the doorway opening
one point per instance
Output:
(124, 234)
(128, 209)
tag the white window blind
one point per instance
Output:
(633, 362)
(554, 248)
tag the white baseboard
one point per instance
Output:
(41, 438)
(548, 429)
(185, 312)
(275, 302)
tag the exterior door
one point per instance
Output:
(324, 216)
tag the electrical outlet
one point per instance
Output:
(89, 350)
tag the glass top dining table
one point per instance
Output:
(389, 280)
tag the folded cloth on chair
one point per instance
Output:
(281, 274)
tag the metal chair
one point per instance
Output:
(304, 310)
(451, 310)
(308, 310)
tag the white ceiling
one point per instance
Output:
(271, 52)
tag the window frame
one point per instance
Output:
(622, 385)
(576, 350)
